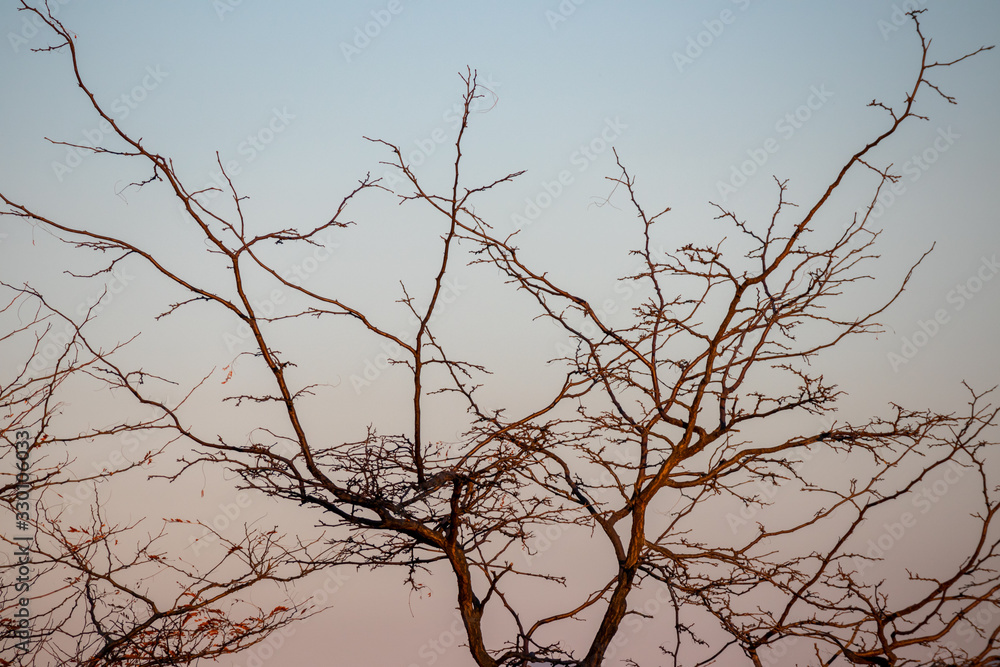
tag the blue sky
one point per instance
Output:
(686, 92)
(685, 114)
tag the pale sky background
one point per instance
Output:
(225, 70)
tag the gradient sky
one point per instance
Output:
(200, 77)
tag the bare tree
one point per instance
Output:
(654, 425)
(96, 602)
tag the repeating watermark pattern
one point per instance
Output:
(229, 512)
(223, 7)
(263, 651)
(768, 492)
(451, 290)
(126, 455)
(776, 653)
(924, 500)
(957, 298)
(249, 149)
(973, 626)
(624, 291)
(584, 156)
(433, 649)
(53, 349)
(562, 12)
(256, 143)
(121, 107)
(116, 284)
(634, 623)
(425, 147)
(786, 127)
(897, 19)
(31, 24)
(364, 34)
(597, 485)
(22, 538)
(738, 520)
(296, 274)
(914, 168)
(227, 516)
(262, 308)
(704, 39)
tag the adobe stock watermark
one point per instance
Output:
(973, 626)
(581, 159)
(121, 107)
(451, 290)
(562, 12)
(597, 486)
(433, 649)
(957, 298)
(898, 17)
(699, 43)
(249, 149)
(633, 624)
(914, 168)
(747, 513)
(52, 350)
(776, 653)
(924, 500)
(223, 7)
(624, 291)
(31, 24)
(261, 652)
(296, 274)
(228, 514)
(20, 624)
(786, 127)
(126, 455)
(363, 35)
(425, 147)
(802, 456)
